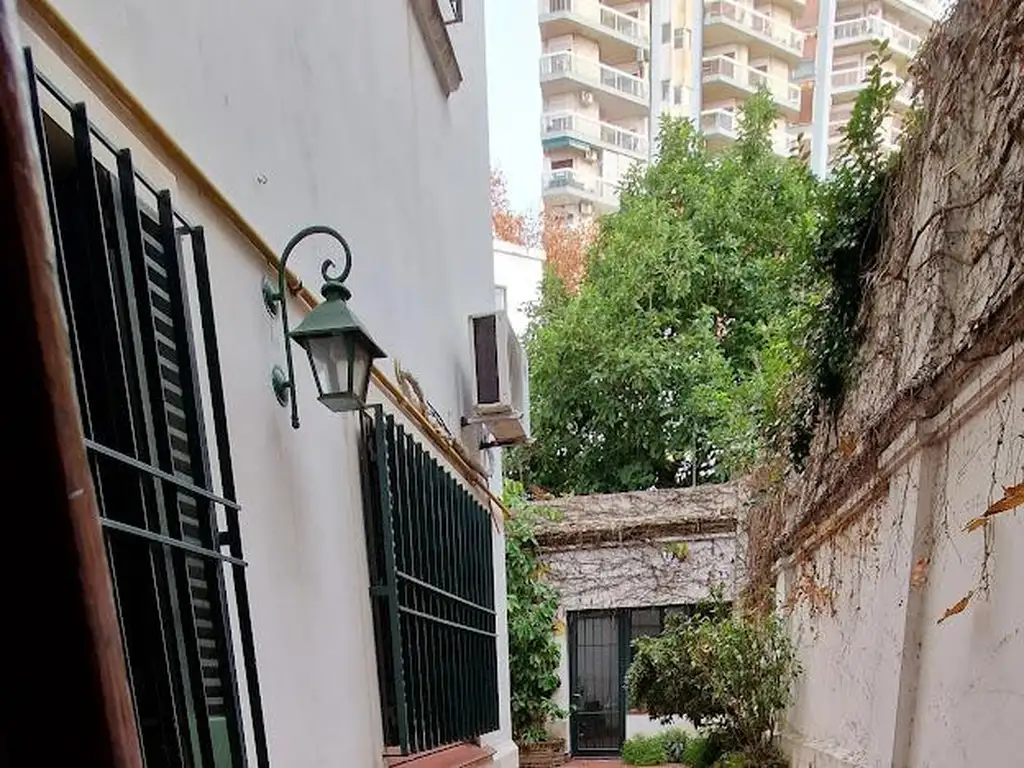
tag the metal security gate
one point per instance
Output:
(430, 555)
(597, 721)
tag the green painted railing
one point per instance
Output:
(430, 554)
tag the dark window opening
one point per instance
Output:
(121, 263)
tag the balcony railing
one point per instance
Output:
(931, 9)
(720, 121)
(876, 28)
(887, 134)
(568, 64)
(855, 79)
(581, 183)
(750, 79)
(761, 24)
(723, 122)
(602, 17)
(574, 124)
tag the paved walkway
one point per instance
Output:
(610, 762)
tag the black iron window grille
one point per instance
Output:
(145, 361)
(429, 548)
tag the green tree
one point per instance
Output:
(732, 676)
(673, 356)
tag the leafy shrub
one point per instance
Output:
(732, 675)
(644, 750)
(675, 744)
(532, 606)
(702, 751)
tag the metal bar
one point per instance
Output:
(55, 233)
(116, 525)
(443, 593)
(389, 566)
(101, 137)
(114, 404)
(222, 441)
(186, 376)
(418, 637)
(110, 453)
(444, 622)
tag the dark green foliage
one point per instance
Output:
(675, 740)
(644, 750)
(683, 338)
(702, 751)
(532, 606)
(732, 676)
(851, 209)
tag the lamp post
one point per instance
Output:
(340, 351)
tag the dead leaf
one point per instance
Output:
(848, 446)
(1013, 496)
(919, 573)
(958, 607)
(975, 524)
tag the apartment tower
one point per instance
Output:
(610, 68)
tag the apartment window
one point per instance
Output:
(429, 550)
(666, 33)
(677, 95)
(500, 297)
(680, 38)
(666, 89)
(561, 165)
(144, 362)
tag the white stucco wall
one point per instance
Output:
(884, 682)
(519, 271)
(329, 113)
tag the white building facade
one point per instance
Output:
(183, 145)
(518, 272)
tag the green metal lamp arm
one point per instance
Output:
(285, 387)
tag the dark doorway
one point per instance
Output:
(597, 721)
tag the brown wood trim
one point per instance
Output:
(439, 44)
(66, 696)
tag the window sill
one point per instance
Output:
(454, 756)
(439, 44)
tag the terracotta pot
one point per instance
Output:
(542, 754)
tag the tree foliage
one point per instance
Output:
(565, 245)
(532, 607)
(674, 353)
(731, 675)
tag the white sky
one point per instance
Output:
(513, 97)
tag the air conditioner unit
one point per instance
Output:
(586, 208)
(501, 399)
(586, 98)
(590, 155)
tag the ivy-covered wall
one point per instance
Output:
(899, 552)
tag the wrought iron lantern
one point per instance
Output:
(340, 351)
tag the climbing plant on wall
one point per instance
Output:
(532, 609)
